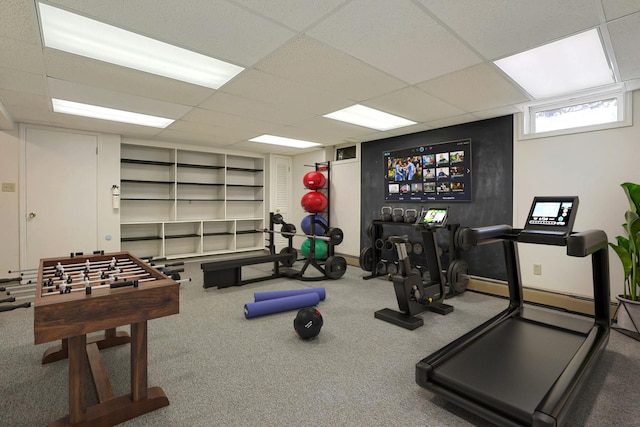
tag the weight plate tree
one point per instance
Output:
(318, 202)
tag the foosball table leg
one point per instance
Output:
(110, 338)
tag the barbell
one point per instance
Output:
(333, 235)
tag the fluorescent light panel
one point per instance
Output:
(369, 118)
(287, 142)
(96, 112)
(564, 66)
(93, 39)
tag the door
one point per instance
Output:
(60, 200)
(281, 183)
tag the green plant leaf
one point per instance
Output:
(623, 241)
(633, 227)
(633, 194)
(625, 258)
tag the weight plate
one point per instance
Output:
(417, 248)
(277, 219)
(366, 259)
(379, 244)
(335, 267)
(388, 245)
(371, 230)
(392, 268)
(458, 275)
(288, 230)
(335, 235)
(381, 267)
(409, 247)
(294, 256)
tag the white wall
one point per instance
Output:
(9, 202)
(345, 203)
(108, 218)
(589, 165)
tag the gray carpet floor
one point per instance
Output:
(219, 369)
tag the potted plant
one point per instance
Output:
(628, 250)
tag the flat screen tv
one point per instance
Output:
(430, 172)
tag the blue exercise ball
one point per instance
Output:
(306, 225)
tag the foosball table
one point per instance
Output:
(79, 295)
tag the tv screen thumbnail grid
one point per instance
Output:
(429, 173)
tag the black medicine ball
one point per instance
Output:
(308, 323)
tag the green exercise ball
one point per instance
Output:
(321, 249)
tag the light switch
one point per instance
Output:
(8, 187)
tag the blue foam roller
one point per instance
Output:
(261, 308)
(263, 296)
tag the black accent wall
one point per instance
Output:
(492, 175)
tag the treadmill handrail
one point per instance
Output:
(586, 242)
(483, 235)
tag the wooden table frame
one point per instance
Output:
(70, 317)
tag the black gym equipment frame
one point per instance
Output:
(525, 367)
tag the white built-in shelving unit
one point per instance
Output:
(179, 203)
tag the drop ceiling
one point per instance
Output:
(430, 61)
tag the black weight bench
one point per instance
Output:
(228, 272)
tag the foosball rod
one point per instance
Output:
(23, 270)
(84, 264)
(89, 282)
(89, 289)
(19, 289)
(13, 307)
(122, 269)
(14, 299)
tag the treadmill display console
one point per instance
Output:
(552, 215)
(434, 216)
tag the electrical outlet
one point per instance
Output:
(537, 269)
(8, 187)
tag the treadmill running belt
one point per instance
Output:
(511, 368)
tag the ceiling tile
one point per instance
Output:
(323, 130)
(497, 112)
(413, 104)
(218, 28)
(617, 8)
(106, 98)
(407, 43)
(275, 90)
(240, 106)
(499, 28)
(210, 139)
(22, 82)
(451, 121)
(476, 88)
(297, 18)
(624, 38)
(18, 21)
(19, 55)
(312, 63)
(65, 66)
(256, 147)
(223, 120)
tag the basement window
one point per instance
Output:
(574, 115)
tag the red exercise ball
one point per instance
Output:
(314, 180)
(314, 202)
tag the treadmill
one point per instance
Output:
(525, 366)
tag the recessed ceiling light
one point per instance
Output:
(93, 39)
(369, 117)
(96, 112)
(565, 66)
(287, 142)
